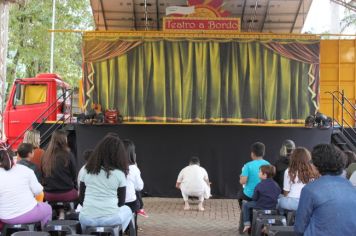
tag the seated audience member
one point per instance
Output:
(59, 172)
(18, 188)
(250, 171)
(134, 181)
(265, 195)
(25, 154)
(350, 163)
(103, 185)
(299, 173)
(193, 181)
(327, 205)
(282, 162)
(34, 137)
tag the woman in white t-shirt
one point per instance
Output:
(18, 189)
(299, 173)
(103, 185)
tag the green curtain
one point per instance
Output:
(204, 81)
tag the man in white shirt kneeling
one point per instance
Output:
(193, 181)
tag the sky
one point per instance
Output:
(325, 16)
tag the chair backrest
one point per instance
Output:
(30, 233)
(66, 226)
(104, 230)
(273, 230)
(264, 220)
(259, 212)
(9, 229)
(291, 217)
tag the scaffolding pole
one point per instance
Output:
(4, 23)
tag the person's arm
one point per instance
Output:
(304, 211)
(121, 195)
(82, 188)
(179, 179)
(244, 175)
(256, 193)
(138, 180)
(206, 177)
(35, 186)
(286, 183)
(73, 169)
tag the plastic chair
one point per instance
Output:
(260, 212)
(273, 230)
(115, 230)
(9, 229)
(30, 233)
(63, 226)
(66, 206)
(264, 220)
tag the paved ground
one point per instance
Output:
(167, 218)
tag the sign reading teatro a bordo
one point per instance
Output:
(201, 15)
(201, 24)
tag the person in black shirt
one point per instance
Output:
(265, 195)
(282, 162)
(26, 153)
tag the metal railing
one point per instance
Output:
(348, 110)
(42, 118)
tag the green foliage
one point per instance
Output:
(29, 39)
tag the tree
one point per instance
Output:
(29, 39)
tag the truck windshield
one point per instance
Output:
(27, 94)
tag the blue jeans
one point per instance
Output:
(123, 217)
(246, 211)
(288, 203)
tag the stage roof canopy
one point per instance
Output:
(276, 16)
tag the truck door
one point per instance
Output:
(27, 102)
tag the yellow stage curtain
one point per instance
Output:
(203, 81)
(98, 50)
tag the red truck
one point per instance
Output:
(45, 98)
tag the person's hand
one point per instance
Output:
(178, 185)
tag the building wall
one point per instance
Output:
(337, 73)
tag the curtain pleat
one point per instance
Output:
(204, 81)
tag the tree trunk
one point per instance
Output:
(4, 23)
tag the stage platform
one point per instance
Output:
(164, 149)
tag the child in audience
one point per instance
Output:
(265, 195)
(299, 173)
(103, 185)
(18, 188)
(250, 171)
(134, 180)
(193, 181)
(34, 137)
(25, 154)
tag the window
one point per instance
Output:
(27, 94)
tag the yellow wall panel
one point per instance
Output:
(337, 73)
(348, 88)
(330, 52)
(347, 51)
(330, 87)
(329, 73)
(347, 72)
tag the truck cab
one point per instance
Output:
(45, 98)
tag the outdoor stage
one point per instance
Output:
(163, 150)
